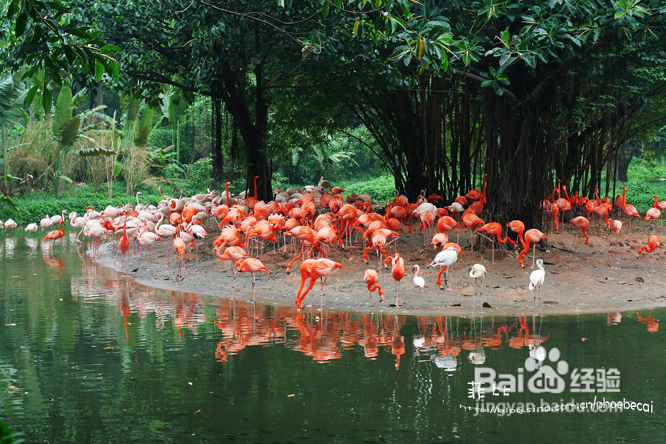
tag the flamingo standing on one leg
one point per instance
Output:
(418, 282)
(494, 229)
(251, 265)
(630, 211)
(531, 237)
(581, 222)
(371, 277)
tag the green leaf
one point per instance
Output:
(64, 111)
(78, 32)
(99, 71)
(65, 178)
(68, 131)
(94, 152)
(7, 202)
(21, 23)
(47, 100)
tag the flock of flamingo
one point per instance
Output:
(320, 217)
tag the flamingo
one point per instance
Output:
(31, 228)
(630, 211)
(478, 273)
(653, 242)
(251, 265)
(9, 225)
(371, 277)
(45, 222)
(55, 234)
(494, 229)
(518, 227)
(531, 236)
(418, 282)
(306, 273)
(582, 223)
(232, 254)
(444, 260)
(123, 245)
(471, 220)
(147, 239)
(653, 213)
(164, 231)
(537, 277)
(615, 227)
(179, 246)
(321, 269)
(397, 271)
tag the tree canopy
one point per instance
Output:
(526, 92)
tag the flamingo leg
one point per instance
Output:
(418, 299)
(533, 254)
(321, 295)
(397, 289)
(254, 288)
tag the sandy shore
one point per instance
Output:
(593, 278)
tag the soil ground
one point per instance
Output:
(599, 277)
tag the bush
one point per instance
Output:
(380, 188)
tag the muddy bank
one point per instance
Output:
(599, 277)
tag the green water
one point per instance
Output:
(89, 356)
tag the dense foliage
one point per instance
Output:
(437, 94)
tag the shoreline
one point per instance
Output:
(596, 278)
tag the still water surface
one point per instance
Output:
(89, 356)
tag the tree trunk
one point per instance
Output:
(519, 152)
(216, 126)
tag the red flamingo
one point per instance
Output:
(232, 254)
(615, 227)
(582, 223)
(494, 229)
(371, 277)
(321, 269)
(531, 236)
(56, 234)
(653, 242)
(471, 220)
(123, 245)
(251, 265)
(398, 272)
(518, 227)
(306, 273)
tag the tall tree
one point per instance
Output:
(237, 53)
